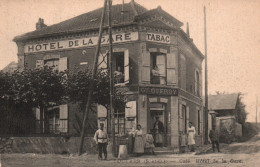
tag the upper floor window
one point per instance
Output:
(183, 72)
(197, 83)
(120, 65)
(158, 68)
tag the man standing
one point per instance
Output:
(158, 132)
(191, 136)
(101, 140)
(214, 137)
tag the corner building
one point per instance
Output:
(142, 40)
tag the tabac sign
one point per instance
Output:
(81, 42)
(158, 91)
(159, 38)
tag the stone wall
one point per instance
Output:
(46, 145)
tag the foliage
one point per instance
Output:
(38, 87)
(5, 88)
(240, 113)
(249, 130)
(78, 88)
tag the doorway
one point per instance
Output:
(158, 123)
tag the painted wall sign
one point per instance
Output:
(158, 91)
(160, 38)
(81, 42)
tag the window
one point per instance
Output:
(53, 63)
(54, 120)
(197, 83)
(120, 123)
(198, 122)
(183, 72)
(120, 66)
(158, 68)
(184, 116)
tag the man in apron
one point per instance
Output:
(191, 136)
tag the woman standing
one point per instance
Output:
(139, 143)
(191, 136)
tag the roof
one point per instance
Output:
(11, 67)
(132, 13)
(90, 20)
(222, 102)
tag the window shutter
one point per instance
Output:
(146, 67)
(37, 114)
(102, 61)
(187, 116)
(39, 63)
(63, 63)
(64, 118)
(126, 66)
(101, 111)
(171, 69)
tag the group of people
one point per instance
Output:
(139, 144)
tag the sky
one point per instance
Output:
(233, 35)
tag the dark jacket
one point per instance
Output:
(214, 135)
(160, 127)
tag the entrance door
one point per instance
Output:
(158, 110)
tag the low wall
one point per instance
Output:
(46, 145)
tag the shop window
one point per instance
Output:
(198, 122)
(158, 68)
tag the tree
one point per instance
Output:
(240, 113)
(39, 87)
(78, 88)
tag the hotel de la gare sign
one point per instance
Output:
(92, 41)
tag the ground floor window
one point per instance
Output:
(120, 124)
(54, 120)
(198, 122)
(57, 119)
(184, 117)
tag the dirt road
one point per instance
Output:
(236, 154)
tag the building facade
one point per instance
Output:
(160, 68)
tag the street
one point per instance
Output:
(235, 154)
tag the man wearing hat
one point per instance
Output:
(158, 132)
(214, 137)
(101, 140)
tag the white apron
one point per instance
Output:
(191, 135)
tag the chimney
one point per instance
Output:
(40, 24)
(188, 29)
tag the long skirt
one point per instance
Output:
(139, 144)
(158, 138)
